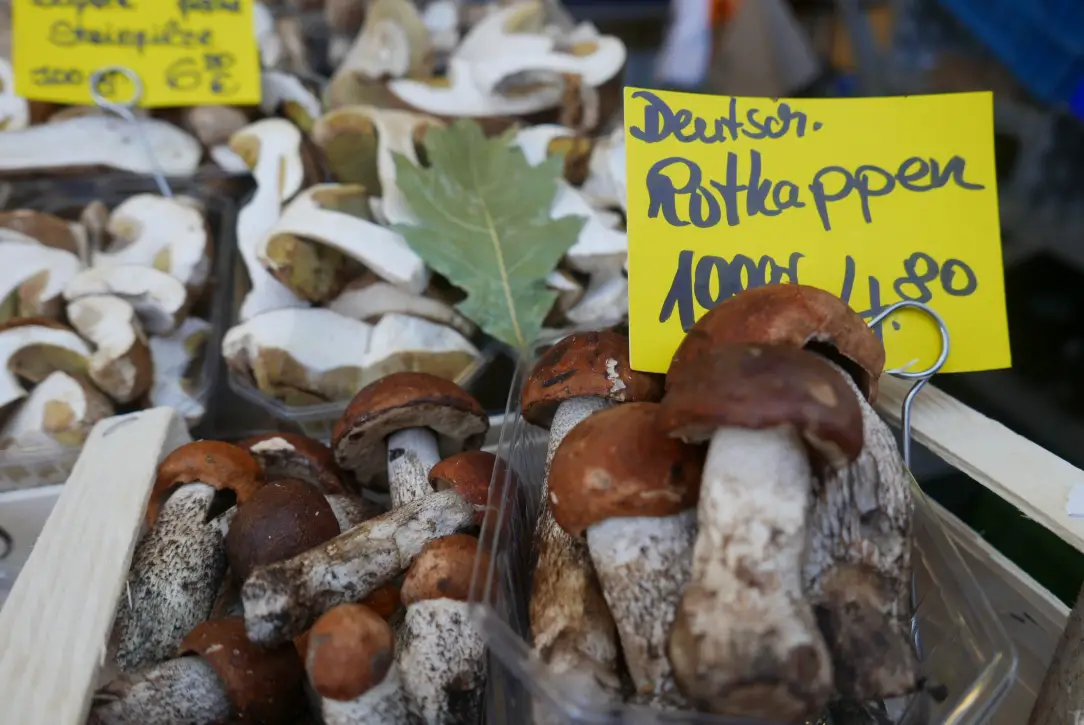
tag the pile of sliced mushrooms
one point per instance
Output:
(282, 581)
(94, 316)
(734, 538)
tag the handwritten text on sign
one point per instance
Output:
(186, 52)
(876, 200)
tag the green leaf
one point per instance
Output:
(484, 223)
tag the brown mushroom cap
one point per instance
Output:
(301, 457)
(468, 474)
(763, 386)
(282, 519)
(351, 649)
(265, 685)
(52, 231)
(619, 463)
(385, 601)
(221, 465)
(442, 570)
(796, 315)
(405, 400)
(585, 364)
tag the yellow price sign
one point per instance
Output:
(875, 200)
(184, 52)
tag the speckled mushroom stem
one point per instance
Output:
(411, 453)
(281, 600)
(384, 704)
(351, 510)
(176, 572)
(183, 691)
(644, 564)
(568, 415)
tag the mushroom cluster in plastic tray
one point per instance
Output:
(130, 315)
(771, 562)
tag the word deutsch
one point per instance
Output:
(661, 122)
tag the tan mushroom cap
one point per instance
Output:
(791, 314)
(763, 386)
(350, 650)
(619, 463)
(585, 364)
(265, 685)
(442, 570)
(221, 465)
(405, 400)
(469, 474)
(297, 457)
(280, 520)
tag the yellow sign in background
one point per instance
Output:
(875, 200)
(185, 52)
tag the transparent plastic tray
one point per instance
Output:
(966, 655)
(22, 468)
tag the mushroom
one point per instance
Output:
(59, 410)
(407, 420)
(117, 145)
(442, 653)
(605, 182)
(14, 109)
(32, 278)
(633, 491)
(121, 363)
(569, 292)
(213, 125)
(219, 676)
(369, 298)
(393, 43)
(32, 349)
(281, 600)
(160, 300)
(310, 247)
(402, 343)
(350, 661)
(571, 626)
(300, 356)
(470, 474)
(287, 94)
(267, 39)
(745, 641)
(49, 230)
(171, 356)
(605, 302)
(441, 19)
(179, 563)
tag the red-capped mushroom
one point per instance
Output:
(469, 474)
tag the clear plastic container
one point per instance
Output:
(22, 468)
(966, 654)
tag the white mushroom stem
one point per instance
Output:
(351, 510)
(743, 624)
(644, 564)
(185, 690)
(382, 705)
(412, 452)
(442, 662)
(176, 572)
(284, 598)
(568, 415)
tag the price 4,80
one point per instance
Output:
(713, 279)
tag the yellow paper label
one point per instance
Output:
(185, 52)
(875, 200)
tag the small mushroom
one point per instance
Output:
(32, 349)
(605, 302)
(213, 125)
(406, 421)
(179, 563)
(287, 94)
(59, 410)
(289, 455)
(14, 109)
(281, 600)
(442, 653)
(171, 357)
(469, 473)
(300, 356)
(350, 661)
(160, 300)
(270, 45)
(441, 19)
(369, 298)
(402, 343)
(745, 641)
(393, 43)
(604, 185)
(385, 601)
(32, 278)
(220, 676)
(633, 491)
(121, 363)
(49, 230)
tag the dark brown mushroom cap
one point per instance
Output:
(351, 648)
(265, 685)
(400, 401)
(297, 457)
(764, 386)
(385, 601)
(221, 465)
(585, 364)
(442, 570)
(619, 463)
(282, 519)
(790, 314)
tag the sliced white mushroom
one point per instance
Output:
(159, 299)
(605, 302)
(370, 298)
(286, 90)
(59, 412)
(441, 19)
(121, 363)
(266, 38)
(301, 355)
(96, 141)
(172, 356)
(46, 229)
(14, 109)
(393, 43)
(458, 95)
(227, 160)
(214, 125)
(33, 276)
(569, 291)
(35, 351)
(403, 343)
(605, 182)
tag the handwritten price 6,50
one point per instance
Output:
(210, 70)
(713, 279)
